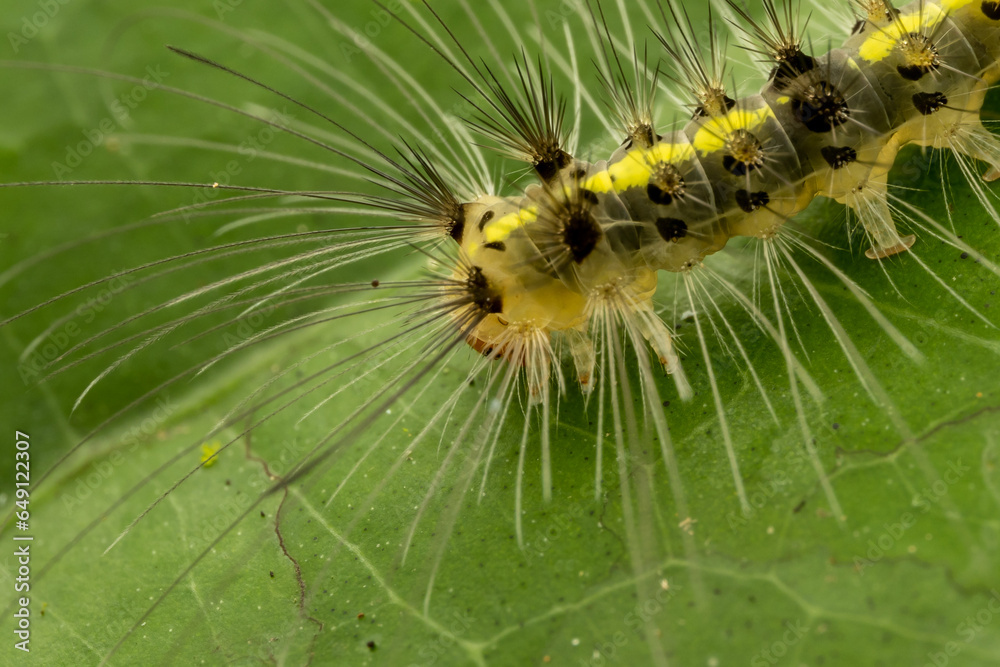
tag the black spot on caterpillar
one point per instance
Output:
(482, 293)
(665, 184)
(821, 108)
(928, 103)
(457, 229)
(577, 545)
(671, 229)
(486, 217)
(839, 157)
(751, 201)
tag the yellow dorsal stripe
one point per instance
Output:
(950, 6)
(634, 170)
(922, 21)
(501, 228)
(599, 182)
(711, 136)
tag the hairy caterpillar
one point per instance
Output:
(625, 597)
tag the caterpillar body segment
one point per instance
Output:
(826, 126)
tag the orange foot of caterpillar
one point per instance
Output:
(991, 175)
(487, 349)
(905, 243)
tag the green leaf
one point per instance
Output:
(908, 576)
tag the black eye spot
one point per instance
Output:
(554, 161)
(665, 184)
(496, 245)
(671, 229)
(581, 235)
(751, 201)
(839, 157)
(738, 167)
(791, 67)
(911, 72)
(481, 293)
(456, 229)
(928, 103)
(658, 196)
(744, 153)
(920, 56)
(485, 219)
(590, 197)
(991, 9)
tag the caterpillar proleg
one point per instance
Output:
(559, 333)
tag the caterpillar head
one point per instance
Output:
(506, 292)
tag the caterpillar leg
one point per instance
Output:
(869, 201)
(660, 338)
(581, 348)
(657, 335)
(975, 141)
(903, 244)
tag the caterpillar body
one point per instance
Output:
(834, 125)
(430, 424)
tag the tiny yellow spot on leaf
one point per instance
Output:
(209, 451)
